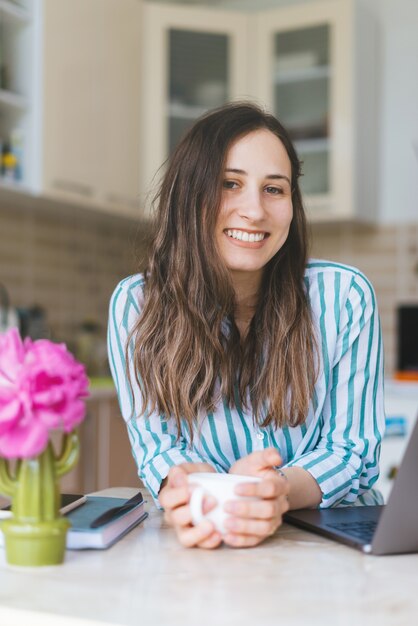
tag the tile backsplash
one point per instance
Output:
(388, 255)
(68, 261)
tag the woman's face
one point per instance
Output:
(256, 206)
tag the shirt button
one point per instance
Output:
(260, 435)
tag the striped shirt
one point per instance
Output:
(339, 443)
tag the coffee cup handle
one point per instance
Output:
(196, 505)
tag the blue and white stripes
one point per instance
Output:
(339, 443)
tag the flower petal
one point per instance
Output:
(12, 355)
(24, 441)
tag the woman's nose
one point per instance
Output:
(251, 205)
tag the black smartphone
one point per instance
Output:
(69, 501)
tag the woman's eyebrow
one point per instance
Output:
(269, 176)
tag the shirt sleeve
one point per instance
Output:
(345, 462)
(153, 439)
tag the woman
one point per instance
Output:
(242, 355)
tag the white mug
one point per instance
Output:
(222, 488)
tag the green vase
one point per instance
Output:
(36, 533)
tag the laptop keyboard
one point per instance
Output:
(363, 530)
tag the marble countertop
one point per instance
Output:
(294, 578)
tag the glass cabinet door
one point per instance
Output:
(305, 77)
(301, 79)
(194, 59)
(198, 78)
(17, 90)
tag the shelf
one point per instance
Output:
(309, 146)
(12, 12)
(13, 100)
(185, 111)
(317, 72)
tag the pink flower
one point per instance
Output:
(42, 387)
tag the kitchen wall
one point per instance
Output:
(388, 255)
(65, 259)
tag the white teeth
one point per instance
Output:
(244, 236)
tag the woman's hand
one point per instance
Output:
(253, 521)
(175, 496)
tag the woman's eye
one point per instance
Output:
(275, 191)
(229, 184)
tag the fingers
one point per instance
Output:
(255, 518)
(272, 486)
(267, 458)
(177, 476)
(176, 492)
(247, 532)
(242, 541)
(203, 535)
(252, 527)
(264, 510)
(181, 516)
(174, 498)
(213, 541)
(257, 462)
(252, 521)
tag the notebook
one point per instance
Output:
(81, 536)
(386, 529)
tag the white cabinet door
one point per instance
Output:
(308, 67)
(119, 99)
(91, 102)
(193, 60)
(306, 80)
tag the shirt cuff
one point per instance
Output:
(153, 474)
(334, 476)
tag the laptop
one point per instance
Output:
(387, 529)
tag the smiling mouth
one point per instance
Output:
(243, 235)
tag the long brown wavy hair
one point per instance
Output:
(188, 352)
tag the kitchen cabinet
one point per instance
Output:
(19, 29)
(193, 60)
(91, 102)
(312, 65)
(316, 69)
(70, 101)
